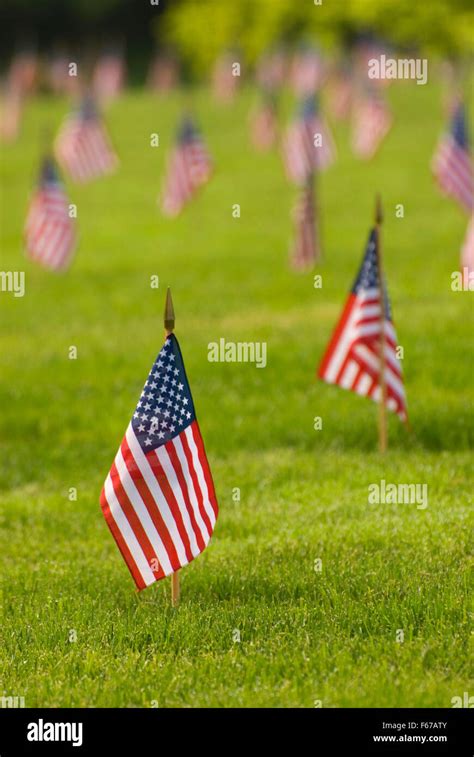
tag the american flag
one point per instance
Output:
(452, 163)
(264, 125)
(83, 147)
(109, 76)
(189, 167)
(158, 498)
(300, 154)
(365, 50)
(23, 72)
(353, 358)
(163, 74)
(305, 250)
(467, 253)
(11, 108)
(307, 72)
(270, 71)
(372, 121)
(224, 83)
(58, 74)
(50, 233)
(340, 93)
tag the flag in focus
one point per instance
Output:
(452, 163)
(308, 145)
(355, 359)
(372, 121)
(190, 166)
(50, 233)
(83, 147)
(158, 498)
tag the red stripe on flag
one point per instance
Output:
(122, 545)
(336, 335)
(197, 488)
(150, 505)
(134, 521)
(196, 431)
(184, 491)
(167, 490)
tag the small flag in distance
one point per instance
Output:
(372, 120)
(83, 147)
(353, 357)
(264, 125)
(305, 250)
(190, 166)
(109, 76)
(303, 155)
(50, 233)
(452, 162)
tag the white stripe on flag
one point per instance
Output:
(127, 533)
(157, 494)
(349, 374)
(200, 474)
(142, 513)
(170, 474)
(192, 494)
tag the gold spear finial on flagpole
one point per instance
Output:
(383, 380)
(169, 321)
(169, 313)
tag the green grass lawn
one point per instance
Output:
(304, 635)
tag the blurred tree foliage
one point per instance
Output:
(201, 29)
(80, 24)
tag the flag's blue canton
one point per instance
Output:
(165, 407)
(88, 110)
(309, 108)
(188, 132)
(459, 128)
(48, 173)
(368, 276)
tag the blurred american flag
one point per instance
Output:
(305, 250)
(452, 163)
(372, 121)
(300, 153)
(189, 167)
(50, 233)
(83, 147)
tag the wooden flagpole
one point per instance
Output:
(317, 216)
(169, 328)
(383, 440)
(316, 204)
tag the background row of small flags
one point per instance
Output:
(85, 152)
